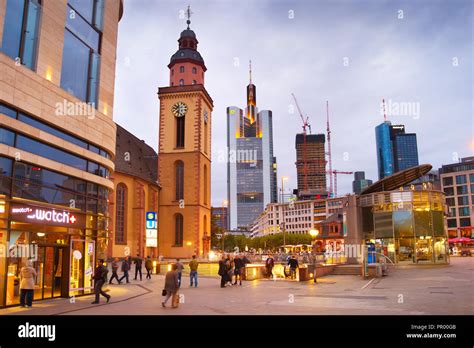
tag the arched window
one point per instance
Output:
(194, 70)
(181, 69)
(179, 180)
(205, 137)
(205, 185)
(181, 82)
(204, 228)
(178, 230)
(194, 82)
(180, 131)
(121, 214)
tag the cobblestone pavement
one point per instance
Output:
(406, 290)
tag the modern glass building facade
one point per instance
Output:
(406, 226)
(251, 166)
(396, 150)
(57, 142)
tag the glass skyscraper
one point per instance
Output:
(396, 150)
(251, 166)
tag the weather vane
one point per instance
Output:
(188, 14)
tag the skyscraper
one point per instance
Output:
(360, 182)
(396, 150)
(310, 164)
(184, 154)
(251, 167)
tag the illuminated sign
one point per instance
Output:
(48, 216)
(151, 229)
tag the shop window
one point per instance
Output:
(402, 223)
(120, 214)
(178, 230)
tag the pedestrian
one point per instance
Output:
(27, 284)
(125, 269)
(193, 274)
(222, 271)
(115, 266)
(171, 286)
(148, 267)
(138, 267)
(180, 268)
(100, 277)
(238, 267)
(269, 264)
(293, 263)
(229, 265)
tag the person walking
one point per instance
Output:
(222, 271)
(100, 277)
(293, 263)
(229, 266)
(193, 275)
(238, 268)
(125, 269)
(269, 264)
(138, 267)
(171, 286)
(148, 267)
(179, 267)
(115, 266)
(27, 284)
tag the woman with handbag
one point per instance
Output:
(171, 287)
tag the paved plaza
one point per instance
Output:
(406, 290)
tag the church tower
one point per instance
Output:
(184, 154)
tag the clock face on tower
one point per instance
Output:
(179, 109)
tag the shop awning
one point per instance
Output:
(461, 240)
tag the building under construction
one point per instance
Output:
(311, 165)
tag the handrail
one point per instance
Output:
(388, 258)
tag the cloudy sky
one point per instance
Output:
(352, 53)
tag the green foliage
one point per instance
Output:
(270, 242)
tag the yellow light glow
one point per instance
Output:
(284, 178)
(169, 267)
(311, 275)
(154, 263)
(313, 233)
(225, 202)
(2, 208)
(105, 108)
(49, 74)
(254, 272)
(189, 243)
(105, 263)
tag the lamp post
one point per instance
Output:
(224, 205)
(283, 179)
(314, 233)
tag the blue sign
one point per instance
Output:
(151, 216)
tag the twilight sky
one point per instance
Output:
(353, 53)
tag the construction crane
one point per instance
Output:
(335, 172)
(305, 126)
(328, 131)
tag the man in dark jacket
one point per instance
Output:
(125, 269)
(100, 277)
(293, 262)
(148, 267)
(269, 264)
(138, 267)
(238, 269)
(222, 271)
(115, 265)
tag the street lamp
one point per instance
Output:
(283, 179)
(314, 233)
(224, 205)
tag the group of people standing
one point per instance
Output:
(230, 268)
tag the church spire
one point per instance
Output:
(188, 14)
